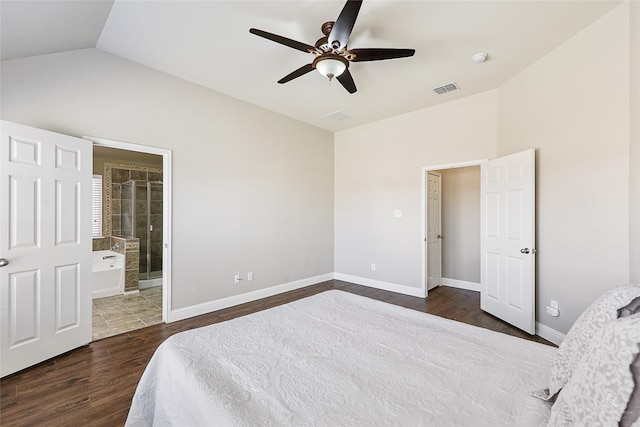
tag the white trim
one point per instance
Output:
(208, 307)
(549, 334)
(460, 284)
(167, 198)
(454, 165)
(386, 286)
(423, 214)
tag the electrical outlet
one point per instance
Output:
(373, 266)
(553, 304)
(236, 278)
(249, 276)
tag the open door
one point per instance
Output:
(45, 245)
(507, 203)
(434, 230)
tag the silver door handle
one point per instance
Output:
(3, 262)
(524, 251)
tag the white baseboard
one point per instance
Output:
(549, 334)
(460, 284)
(543, 331)
(208, 307)
(386, 286)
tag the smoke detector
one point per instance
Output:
(479, 57)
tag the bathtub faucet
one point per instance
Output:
(108, 256)
(116, 247)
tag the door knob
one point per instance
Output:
(3, 262)
(524, 251)
(440, 236)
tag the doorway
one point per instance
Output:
(453, 259)
(137, 206)
(507, 237)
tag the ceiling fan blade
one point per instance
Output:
(297, 73)
(283, 40)
(339, 36)
(378, 54)
(346, 80)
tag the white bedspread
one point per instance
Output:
(340, 359)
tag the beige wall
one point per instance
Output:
(572, 106)
(262, 197)
(461, 223)
(252, 190)
(378, 169)
(634, 146)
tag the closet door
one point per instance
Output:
(507, 272)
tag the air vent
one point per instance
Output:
(446, 88)
(336, 116)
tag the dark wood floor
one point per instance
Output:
(93, 385)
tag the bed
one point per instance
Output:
(341, 359)
(337, 359)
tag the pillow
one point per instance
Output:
(600, 312)
(601, 386)
(632, 413)
(630, 309)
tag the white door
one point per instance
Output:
(507, 227)
(45, 245)
(434, 231)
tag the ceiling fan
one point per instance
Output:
(332, 58)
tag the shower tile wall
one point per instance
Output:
(132, 255)
(129, 247)
(126, 199)
(102, 244)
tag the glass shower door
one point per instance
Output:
(155, 230)
(147, 200)
(141, 225)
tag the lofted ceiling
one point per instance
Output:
(208, 43)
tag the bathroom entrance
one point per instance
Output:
(135, 219)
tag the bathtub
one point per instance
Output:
(108, 274)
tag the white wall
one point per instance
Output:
(572, 106)
(461, 224)
(252, 190)
(378, 170)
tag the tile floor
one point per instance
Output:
(123, 313)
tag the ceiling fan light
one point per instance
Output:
(331, 67)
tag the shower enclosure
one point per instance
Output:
(141, 207)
